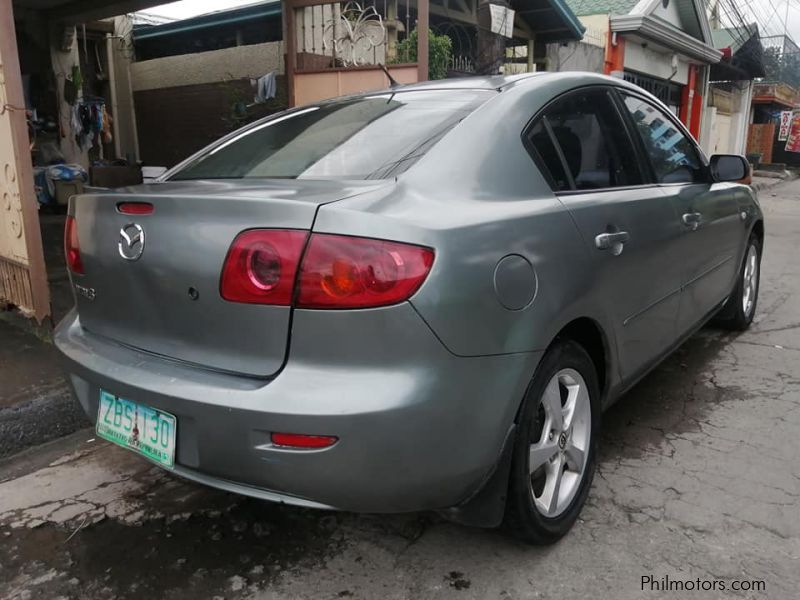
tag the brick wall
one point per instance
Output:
(175, 122)
(759, 139)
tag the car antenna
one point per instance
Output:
(392, 81)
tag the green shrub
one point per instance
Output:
(440, 49)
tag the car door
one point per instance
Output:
(628, 224)
(709, 212)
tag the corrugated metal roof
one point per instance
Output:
(582, 8)
(689, 17)
(268, 8)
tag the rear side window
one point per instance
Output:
(582, 143)
(364, 138)
(542, 141)
(672, 154)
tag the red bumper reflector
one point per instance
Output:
(299, 440)
(135, 208)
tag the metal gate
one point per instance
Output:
(23, 278)
(668, 92)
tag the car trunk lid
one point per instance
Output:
(167, 300)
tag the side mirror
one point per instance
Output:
(729, 167)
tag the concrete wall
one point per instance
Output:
(62, 61)
(656, 64)
(227, 64)
(175, 122)
(597, 27)
(585, 55)
(575, 56)
(725, 122)
(321, 85)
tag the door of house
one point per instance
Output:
(23, 278)
(721, 142)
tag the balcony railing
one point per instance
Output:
(782, 93)
(337, 48)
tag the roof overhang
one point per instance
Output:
(215, 19)
(80, 11)
(743, 64)
(665, 34)
(550, 20)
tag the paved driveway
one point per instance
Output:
(698, 481)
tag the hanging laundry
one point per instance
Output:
(76, 125)
(266, 87)
(108, 122)
(89, 121)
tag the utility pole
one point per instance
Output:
(713, 18)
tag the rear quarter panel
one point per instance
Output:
(475, 198)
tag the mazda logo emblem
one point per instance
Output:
(131, 241)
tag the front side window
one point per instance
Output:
(363, 138)
(595, 151)
(672, 154)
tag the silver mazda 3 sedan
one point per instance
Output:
(416, 299)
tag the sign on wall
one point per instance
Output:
(793, 141)
(785, 126)
(502, 20)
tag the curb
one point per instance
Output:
(772, 182)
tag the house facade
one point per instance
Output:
(664, 46)
(728, 113)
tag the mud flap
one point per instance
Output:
(486, 507)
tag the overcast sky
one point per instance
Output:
(189, 8)
(771, 13)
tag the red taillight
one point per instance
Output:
(299, 440)
(72, 249)
(337, 271)
(261, 266)
(352, 272)
(135, 208)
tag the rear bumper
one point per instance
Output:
(418, 427)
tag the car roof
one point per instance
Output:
(475, 82)
(502, 82)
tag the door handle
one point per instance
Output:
(614, 241)
(692, 220)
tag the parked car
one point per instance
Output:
(415, 299)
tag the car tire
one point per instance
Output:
(560, 415)
(739, 310)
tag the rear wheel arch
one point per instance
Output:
(486, 508)
(589, 334)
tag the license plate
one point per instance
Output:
(146, 430)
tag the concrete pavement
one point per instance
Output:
(699, 480)
(35, 402)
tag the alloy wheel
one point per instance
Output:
(560, 443)
(750, 280)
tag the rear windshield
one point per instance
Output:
(370, 137)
